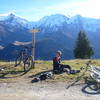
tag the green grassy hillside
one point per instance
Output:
(11, 73)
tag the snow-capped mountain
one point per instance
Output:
(88, 24)
(13, 20)
(50, 22)
(68, 26)
(53, 20)
(56, 32)
(59, 20)
(13, 28)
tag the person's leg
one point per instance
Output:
(56, 70)
(66, 66)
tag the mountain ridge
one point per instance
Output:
(56, 32)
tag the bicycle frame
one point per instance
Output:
(25, 53)
(95, 73)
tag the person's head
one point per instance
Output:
(58, 53)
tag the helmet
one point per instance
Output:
(59, 52)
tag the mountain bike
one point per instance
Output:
(25, 59)
(93, 79)
(94, 71)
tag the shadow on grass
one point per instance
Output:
(13, 74)
(8, 73)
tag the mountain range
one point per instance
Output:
(57, 32)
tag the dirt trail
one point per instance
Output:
(24, 90)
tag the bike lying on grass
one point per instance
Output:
(94, 81)
(94, 75)
(25, 59)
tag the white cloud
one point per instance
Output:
(87, 8)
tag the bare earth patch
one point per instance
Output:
(24, 90)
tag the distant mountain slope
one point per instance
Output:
(9, 35)
(13, 28)
(57, 32)
(45, 50)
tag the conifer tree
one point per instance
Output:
(83, 48)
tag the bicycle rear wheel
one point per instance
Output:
(28, 64)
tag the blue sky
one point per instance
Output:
(36, 9)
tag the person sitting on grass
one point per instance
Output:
(57, 66)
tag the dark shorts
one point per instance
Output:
(61, 68)
(65, 66)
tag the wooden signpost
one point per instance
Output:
(33, 31)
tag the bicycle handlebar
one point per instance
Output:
(88, 63)
(26, 47)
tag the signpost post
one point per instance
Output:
(33, 31)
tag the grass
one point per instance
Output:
(12, 73)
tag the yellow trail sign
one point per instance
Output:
(34, 30)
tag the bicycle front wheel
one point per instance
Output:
(28, 64)
(18, 61)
